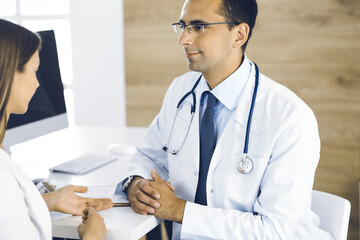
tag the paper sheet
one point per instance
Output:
(103, 192)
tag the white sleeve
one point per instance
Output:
(284, 193)
(15, 221)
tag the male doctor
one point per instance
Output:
(192, 166)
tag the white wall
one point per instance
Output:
(97, 29)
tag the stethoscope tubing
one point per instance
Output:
(192, 92)
(252, 106)
(251, 109)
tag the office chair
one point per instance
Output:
(334, 213)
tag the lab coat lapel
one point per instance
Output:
(229, 136)
(224, 145)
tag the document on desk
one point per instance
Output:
(105, 192)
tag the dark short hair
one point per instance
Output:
(240, 11)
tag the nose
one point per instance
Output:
(186, 38)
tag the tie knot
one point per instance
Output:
(211, 101)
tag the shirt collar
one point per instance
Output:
(228, 91)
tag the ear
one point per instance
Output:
(241, 32)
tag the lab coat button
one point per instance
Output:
(195, 173)
(212, 190)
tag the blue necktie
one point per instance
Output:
(207, 147)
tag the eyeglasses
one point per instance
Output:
(196, 28)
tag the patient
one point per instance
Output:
(24, 212)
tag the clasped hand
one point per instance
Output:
(156, 197)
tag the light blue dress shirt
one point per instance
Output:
(228, 93)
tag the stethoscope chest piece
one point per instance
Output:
(245, 165)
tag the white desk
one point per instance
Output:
(38, 155)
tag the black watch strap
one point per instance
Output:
(127, 182)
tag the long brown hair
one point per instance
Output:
(17, 45)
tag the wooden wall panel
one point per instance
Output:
(153, 57)
(312, 47)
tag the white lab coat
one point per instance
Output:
(23, 212)
(271, 202)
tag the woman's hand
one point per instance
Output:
(65, 200)
(92, 226)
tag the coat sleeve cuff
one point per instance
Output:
(189, 224)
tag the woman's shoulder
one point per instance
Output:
(8, 172)
(15, 186)
(10, 187)
(11, 176)
(5, 162)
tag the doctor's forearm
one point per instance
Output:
(171, 209)
(179, 214)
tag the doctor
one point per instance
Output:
(239, 150)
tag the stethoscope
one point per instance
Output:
(182, 122)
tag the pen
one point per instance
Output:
(121, 204)
(48, 187)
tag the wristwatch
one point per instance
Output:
(127, 181)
